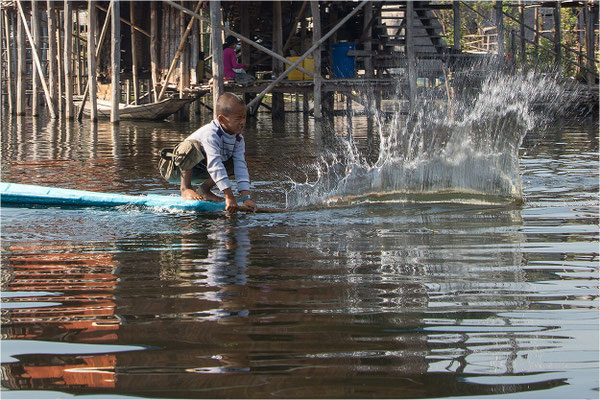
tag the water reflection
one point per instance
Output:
(374, 300)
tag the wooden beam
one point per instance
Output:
(154, 47)
(9, 62)
(21, 60)
(52, 70)
(134, 61)
(36, 59)
(91, 59)
(522, 33)
(115, 61)
(316, 15)
(589, 42)
(411, 56)
(67, 58)
(35, 32)
(97, 56)
(237, 35)
(217, 49)
(123, 20)
(59, 64)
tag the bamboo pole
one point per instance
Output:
(217, 45)
(9, 63)
(182, 43)
(35, 32)
(237, 35)
(67, 64)
(316, 15)
(91, 59)
(51, 17)
(97, 56)
(36, 59)
(134, 61)
(154, 47)
(115, 62)
(411, 56)
(20, 64)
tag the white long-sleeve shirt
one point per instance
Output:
(219, 147)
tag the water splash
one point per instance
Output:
(466, 150)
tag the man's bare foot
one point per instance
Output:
(190, 194)
(210, 196)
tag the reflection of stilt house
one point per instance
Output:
(163, 49)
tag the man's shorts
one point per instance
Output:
(189, 154)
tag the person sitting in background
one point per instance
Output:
(232, 70)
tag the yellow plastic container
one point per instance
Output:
(295, 75)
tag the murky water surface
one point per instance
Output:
(377, 299)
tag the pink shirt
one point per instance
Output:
(230, 62)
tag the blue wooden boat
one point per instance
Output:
(12, 194)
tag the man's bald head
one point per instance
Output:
(227, 103)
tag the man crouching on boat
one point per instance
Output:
(213, 153)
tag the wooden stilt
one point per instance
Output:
(184, 64)
(217, 45)
(411, 56)
(456, 11)
(316, 14)
(278, 105)
(154, 47)
(52, 71)
(96, 56)
(303, 47)
(91, 60)
(115, 61)
(522, 33)
(500, 29)
(134, 61)
(246, 59)
(368, 47)
(36, 59)
(536, 37)
(20, 67)
(67, 63)
(557, 34)
(77, 60)
(589, 43)
(35, 32)
(195, 55)
(9, 62)
(59, 62)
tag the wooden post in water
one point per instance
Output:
(91, 60)
(557, 34)
(588, 16)
(77, 60)
(303, 48)
(245, 30)
(316, 14)
(522, 33)
(52, 71)
(134, 61)
(278, 105)
(10, 47)
(115, 56)
(154, 47)
(184, 64)
(456, 12)
(217, 52)
(500, 30)
(59, 63)
(20, 66)
(67, 63)
(411, 56)
(536, 37)
(35, 32)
